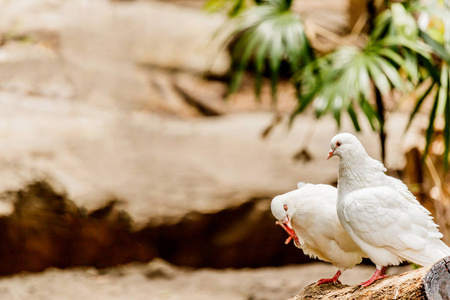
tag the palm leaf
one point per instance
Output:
(394, 56)
(382, 24)
(347, 74)
(438, 48)
(416, 46)
(244, 48)
(430, 129)
(260, 66)
(411, 65)
(390, 72)
(447, 127)
(442, 93)
(379, 79)
(268, 34)
(430, 67)
(419, 104)
(370, 113)
(353, 117)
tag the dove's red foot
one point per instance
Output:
(333, 280)
(379, 274)
(291, 232)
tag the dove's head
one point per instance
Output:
(283, 208)
(344, 145)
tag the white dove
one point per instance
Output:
(308, 214)
(379, 212)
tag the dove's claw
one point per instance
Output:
(327, 280)
(379, 274)
(333, 280)
(291, 232)
(288, 240)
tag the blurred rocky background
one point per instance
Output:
(117, 145)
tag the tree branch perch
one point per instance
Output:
(432, 283)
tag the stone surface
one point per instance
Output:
(177, 166)
(131, 282)
(109, 54)
(142, 32)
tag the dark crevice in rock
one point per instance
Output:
(46, 229)
(203, 106)
(171, 70)
(243, 236)
(205, 96)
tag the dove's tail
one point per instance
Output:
(434, 251)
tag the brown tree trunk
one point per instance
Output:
(431, 282)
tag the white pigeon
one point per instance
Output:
(379, 212)
(308, 215)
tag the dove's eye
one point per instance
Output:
(338, 144)
(285, 207)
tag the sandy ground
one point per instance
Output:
(157, 280)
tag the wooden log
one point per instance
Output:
(432, 282)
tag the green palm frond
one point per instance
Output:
(396, 21)
(345, 78)
(441, 108)
(438, 39)
(398, 26)
(396, 57)
(266, 36)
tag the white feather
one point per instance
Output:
(312, 210)
(379, 212)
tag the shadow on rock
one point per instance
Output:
(46, 229)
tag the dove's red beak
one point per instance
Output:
(330, 154)
(288, 228)
(287, 221)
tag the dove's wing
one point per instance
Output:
(382, 217)
(400, 187)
